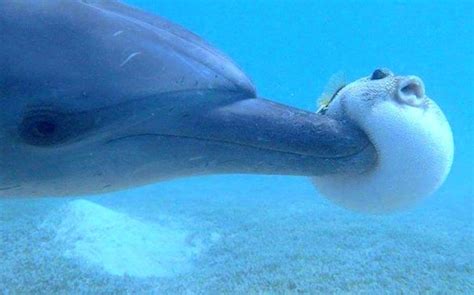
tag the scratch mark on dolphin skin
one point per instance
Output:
(196, 158)
(9, 187)
(129, 58)
(117, 33)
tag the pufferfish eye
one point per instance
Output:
(380, 74)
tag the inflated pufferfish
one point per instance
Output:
(411, 135)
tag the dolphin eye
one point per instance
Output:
(43, 129)
(380, 74)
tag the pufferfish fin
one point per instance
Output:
(335, 83)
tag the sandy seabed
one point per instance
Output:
(233, 235)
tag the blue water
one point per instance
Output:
(276, 235)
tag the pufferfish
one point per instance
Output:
(410, 133)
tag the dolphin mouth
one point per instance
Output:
(204, 156)
(235, 143)
(257, 135)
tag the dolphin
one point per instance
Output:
(97, 96)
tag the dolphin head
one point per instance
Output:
(72, 76)
(96, 96)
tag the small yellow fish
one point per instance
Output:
(336, 83)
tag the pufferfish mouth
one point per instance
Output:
(411, 91)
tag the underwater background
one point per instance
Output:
(244, 234)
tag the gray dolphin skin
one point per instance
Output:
(97, 96)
